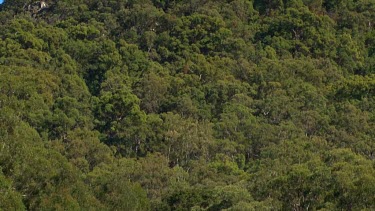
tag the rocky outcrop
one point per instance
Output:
(36, 7)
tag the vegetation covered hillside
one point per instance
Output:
(187, 105)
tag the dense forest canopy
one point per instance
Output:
(187, 105)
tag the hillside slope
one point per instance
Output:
(187, 105)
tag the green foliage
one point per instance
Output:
(116, 192)
(9, 198)
(187, 105)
